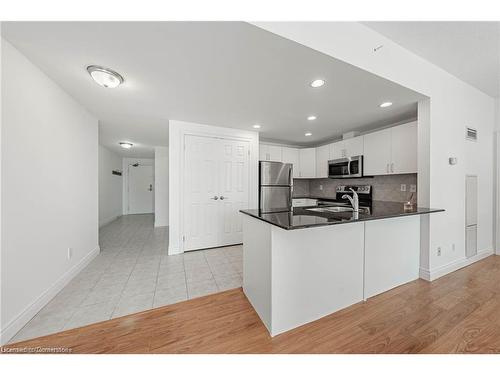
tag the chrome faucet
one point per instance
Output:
(354, 200)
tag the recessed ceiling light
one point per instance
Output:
(126, 144)
(312, 118)
(385, 104)
(256, 126)
(308, 134)
(317, 83)
(105, 77)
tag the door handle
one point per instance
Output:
(150, 187)
(215, 197)
(222, 198)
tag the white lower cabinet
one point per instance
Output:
(392, 253)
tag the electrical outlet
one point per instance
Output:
(403, 187)
(70, 252)
(320, 187)
(413, 188)
(439, 251)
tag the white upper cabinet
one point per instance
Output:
(322, 157)
(404, 148)
(269, 152)
(354, 146)
(391, 151)
(337, 150)
(307, 163)
(377, 153)
(291, 155)
(347, 148)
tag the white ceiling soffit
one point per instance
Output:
(230, 74)
(468, 50)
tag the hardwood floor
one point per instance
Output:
(459, 313)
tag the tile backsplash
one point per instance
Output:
(385, 188)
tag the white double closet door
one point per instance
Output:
(216, 187)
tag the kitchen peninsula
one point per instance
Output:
(301, 265)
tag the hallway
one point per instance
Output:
(133, 273)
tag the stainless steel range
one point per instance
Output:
(364, 194)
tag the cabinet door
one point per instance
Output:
(264, 152)
(269, 152)
(377, 153)
(404, 148)
(291, 155)
(322, 157)
(353, 146)
(338, 150)
(307, 162)
(275, 152)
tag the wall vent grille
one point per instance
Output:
(470, 134)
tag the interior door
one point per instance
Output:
(215, 189)
(201, 195)
(140, 189)
(233, 189)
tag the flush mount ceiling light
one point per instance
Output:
(126, 144)
(308, 134)
(317, 83)
(385, 104)
(256, 126)
(104, 77)
(312, 118)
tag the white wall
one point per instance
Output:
(49, 189)
(177, 132)
(161, 186)
(126, 162)
(110, 186)
(453, 105)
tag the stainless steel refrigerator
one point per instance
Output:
(275, 190)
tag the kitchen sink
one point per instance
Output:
(330, 209)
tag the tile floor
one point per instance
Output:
(134, 273)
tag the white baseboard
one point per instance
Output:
(431, 275)
(172, 250)
(15, 325)
(161, 224)
(108, 220)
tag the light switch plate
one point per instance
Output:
(403, 187)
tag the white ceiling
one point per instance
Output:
(230, 74)
(468, 50)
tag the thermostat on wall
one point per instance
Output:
(452, 161)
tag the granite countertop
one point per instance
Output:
(303, 217)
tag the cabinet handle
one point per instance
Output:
(387, 167)
(215, 197)
(392, 167)
(268, 156)
(222, 198)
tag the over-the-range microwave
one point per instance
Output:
(346, 167)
